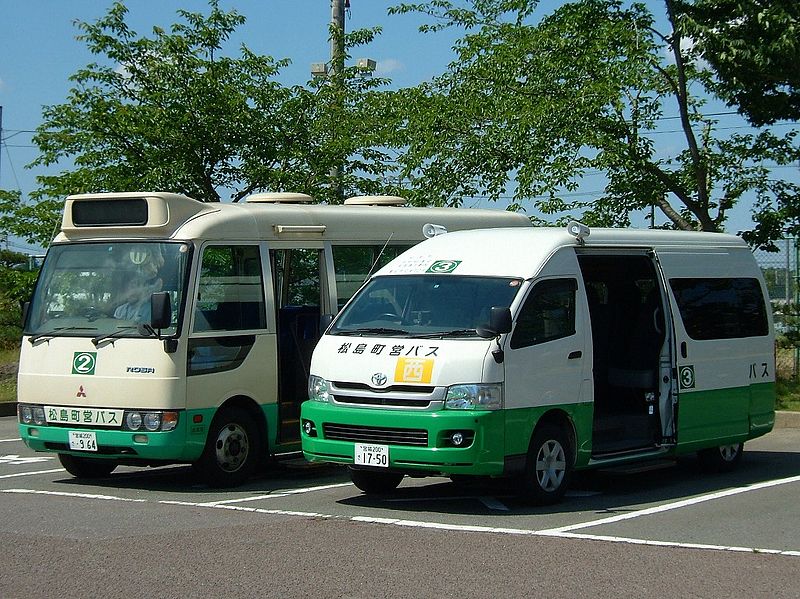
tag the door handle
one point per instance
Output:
(574, 355)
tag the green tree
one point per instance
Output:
(531, 105)
(173, 112)
(753, 47)
(16, 286)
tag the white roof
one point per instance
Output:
(522, 252)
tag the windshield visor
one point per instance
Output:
(96, 289)
(425, 305)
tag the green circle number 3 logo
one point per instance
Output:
(687, 377)
(83, 362)
(443, 266)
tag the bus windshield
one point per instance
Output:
(103, 289)
(424, 306)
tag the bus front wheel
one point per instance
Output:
(86, 467)
(372, 482)
(548, 467)
(721, 459)
(231, 450)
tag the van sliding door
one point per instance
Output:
(721, 339)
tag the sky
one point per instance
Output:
(39, 52)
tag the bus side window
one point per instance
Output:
(230, 294)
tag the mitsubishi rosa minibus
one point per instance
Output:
(163, 329)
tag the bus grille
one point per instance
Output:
(374, 434)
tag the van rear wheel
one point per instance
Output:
(721, 459)
(374, 483)
(548, 467)
(86, 467)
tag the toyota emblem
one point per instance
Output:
(379, 379)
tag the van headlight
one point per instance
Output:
(474, 397)
(318, 389)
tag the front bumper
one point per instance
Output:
(483, 456)
(161, 446)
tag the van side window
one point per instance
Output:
(230, 294)
(548, 313)
(721, 308)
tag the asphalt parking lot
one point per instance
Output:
(671, 511)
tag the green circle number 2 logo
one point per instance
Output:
(83, 362)
(687, 377)
(443, 266)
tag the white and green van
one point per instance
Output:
(535, 352)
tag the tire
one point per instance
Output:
(548, 467)
(721, 459)
(86, 467)
(372, 482)
(232, 449)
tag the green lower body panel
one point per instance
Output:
(183, 444)
(724, 416)
(337, 429)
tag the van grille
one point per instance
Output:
(374, 434)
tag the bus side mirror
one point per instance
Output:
(160, 310)
(499, 323)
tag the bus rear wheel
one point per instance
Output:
(374, 483)
(548, 467)
(231, 450)
(721, 459)
(86, 467)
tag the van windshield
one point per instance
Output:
(104, 289)
(424, 305)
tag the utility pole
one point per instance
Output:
(1, 140)
(337, 78)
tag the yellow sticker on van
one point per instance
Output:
(413, 370)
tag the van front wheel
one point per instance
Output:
(721, 459)
(548, 467)
(373, 483)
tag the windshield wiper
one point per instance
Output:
(444, 334)
(145, 330)
(56, 333)
(372, 331)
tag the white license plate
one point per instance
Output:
(82, 441)
(371, 455)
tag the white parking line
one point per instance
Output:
(31, 473)
(79, 495)
(281, 493)
(9, 440)
(674, 505)
(254, 510)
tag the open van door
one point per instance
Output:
(722, 342)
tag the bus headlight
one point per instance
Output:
(474, 397)
(152, 421)
(318, 389)
(133, 420)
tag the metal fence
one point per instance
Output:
(783, 284)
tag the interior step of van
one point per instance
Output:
(289, 430)
(616, 433)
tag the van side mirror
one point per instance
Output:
(499, 323)
(325, 321)
(24, 307)
(160, 310)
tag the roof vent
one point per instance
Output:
(375, 201)
(279, 198)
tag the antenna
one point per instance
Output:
(377, 259)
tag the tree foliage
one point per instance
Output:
(754, 49)
(174, 111)
(531, 105)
